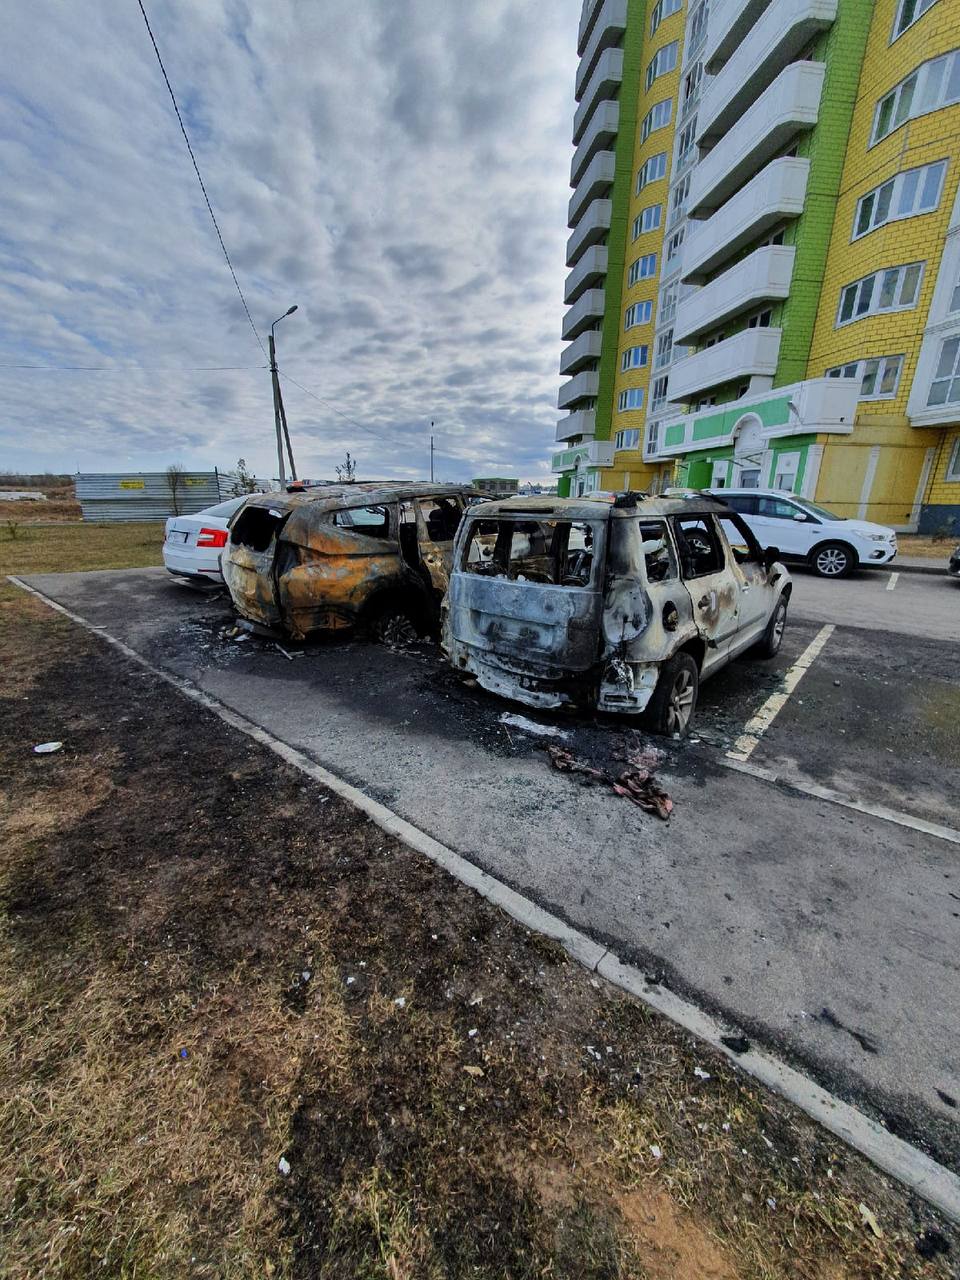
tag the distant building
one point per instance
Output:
(497, 486)
(764, 258)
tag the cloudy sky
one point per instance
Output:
(397, 168)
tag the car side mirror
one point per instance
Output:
(770, 557)
(800, 516)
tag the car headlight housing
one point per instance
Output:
(878, 537)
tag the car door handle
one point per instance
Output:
(704, 603)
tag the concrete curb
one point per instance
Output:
(915, 1170)
(936, 567)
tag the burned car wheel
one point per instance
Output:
(393, 625)
(768, 646)
(674, 700)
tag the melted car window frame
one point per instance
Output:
(569, 561)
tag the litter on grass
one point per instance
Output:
(47, 748)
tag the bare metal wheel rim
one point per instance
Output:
(832, 561)
(680, 707)
(779, 623)
(396, 629)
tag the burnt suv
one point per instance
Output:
(621, 604)
(371, 556)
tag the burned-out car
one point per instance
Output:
(622, 604)
(370, 556)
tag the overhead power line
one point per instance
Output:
(196, 169)
(136, 368)
(306, 390)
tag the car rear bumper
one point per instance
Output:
(188, 564)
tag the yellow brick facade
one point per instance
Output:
(629, 470)
(892, 495)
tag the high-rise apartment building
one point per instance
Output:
(764, 284)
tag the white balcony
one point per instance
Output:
(762, 276)
(592, 453)
(583, 387)
(597, 181)
(790, 105)
(748, 354)
(590, 270)
(776, 193)
(608, 29)
(585, 313)
(603, 84)
(584, 351)
(729, 23)
(780, 35)
(587, 19)
(598, 135)
(592, 228)
(581, 425)
(818, 406)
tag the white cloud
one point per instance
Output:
(398, 170)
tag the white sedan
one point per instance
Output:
(192, 544)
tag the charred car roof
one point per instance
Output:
(334, 497)
(597, 508)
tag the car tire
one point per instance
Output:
(768, 646)
(393, 624)
(833, 560)
(670, 710)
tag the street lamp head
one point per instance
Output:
(283, 317)
(291, 311)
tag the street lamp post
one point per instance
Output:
(279, 416)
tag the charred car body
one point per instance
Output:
(621, 605)
(375, 556)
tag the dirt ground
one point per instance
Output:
(243, 1032)
(61, 502)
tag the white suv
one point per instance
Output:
(832, 545)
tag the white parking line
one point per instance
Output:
(757, 725)
(893, 581)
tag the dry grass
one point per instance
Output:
(54, 549)
(910, 544)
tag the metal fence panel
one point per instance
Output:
(146, 495)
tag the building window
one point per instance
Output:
(690, 92)
(910, 193)
(658, 394)
(785, 472)
(908, 11)
(955, 300)
(634, 358)
(668, 302)
(895, 289)
(651, 170)
(643, 268)
(629, 439)
(741, 390)
(697, 29)
(630, 399)
(879, 376)
(664, 8)
(933, 85)
(639, 313)
(760, 319)
(945, 387)
(653, 435)
(663, 60)
(705, 402)
(658, 117)
(674, 244)
(953, 466)
(647, 220)
(686, 141)
(664, 349)
(678, 200)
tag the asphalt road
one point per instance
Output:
(827, 933)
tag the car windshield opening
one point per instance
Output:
(554, 552)
(817, 511)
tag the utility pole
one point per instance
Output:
(431, 452)
(279, 414)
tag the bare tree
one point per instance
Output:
(176, 482)
(347, 471)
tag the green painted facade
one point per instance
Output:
(620, 205)
(774, 412)
(842, 50)
(696, 467)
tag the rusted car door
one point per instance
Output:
(248, 565)
(527, 593)
(439, 520)
(758, 596)
(705, 566)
